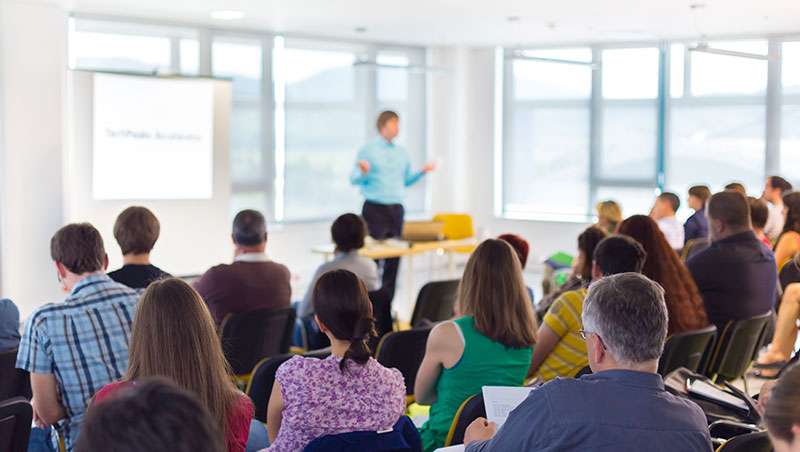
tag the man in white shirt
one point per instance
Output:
(774, 189)
(664, 214)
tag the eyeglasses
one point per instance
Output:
(584, 334)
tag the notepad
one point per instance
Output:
(501, 400)
(708, 391)
(458, 448)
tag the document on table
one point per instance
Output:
(458, 448)
(501, 400)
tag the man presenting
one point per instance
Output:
(383, 171)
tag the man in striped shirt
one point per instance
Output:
(74, 348)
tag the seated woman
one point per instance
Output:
(782, 411)
(348, 391)
(490, 345)
(522, 248)
(684, 303)
(788, 243)
(174, 337)
(609, 215)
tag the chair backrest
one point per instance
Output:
(13, 382)
(249, 337)
(751, 442)
(435, 302)
(404, 351)
(693, 246)
(455, 225)
(736, 348)
(470, 409)
(401, 438)
(686, 350)
(15, 424)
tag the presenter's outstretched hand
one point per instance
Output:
(429, 167)
(363, 165)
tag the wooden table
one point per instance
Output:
(397, 248)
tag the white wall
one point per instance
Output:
(32, 62)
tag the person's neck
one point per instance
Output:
(646, 367)
(338, 347)
(136, 259)
(387, 139)
(250, 249)
(728, 233)
(72, 280)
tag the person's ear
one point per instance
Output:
(321, 325)
(105, 262)
(596, 273)
(599, 351)
(61, 270)
(795, 430)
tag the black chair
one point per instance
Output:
(13, 382)
(693, 247)
(404, 350)
(252, 336)
(263, 378)
(750, 442)
(736, 348)
(585, 371)
(15, 424)
(470, 409)
(435, 302)
(402, 437)
(686, 350)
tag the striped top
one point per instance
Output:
(569, 355)
(82, 341)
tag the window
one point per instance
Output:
(547, 137)
(126, 48)
(790, 114)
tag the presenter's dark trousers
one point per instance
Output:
(384, 221)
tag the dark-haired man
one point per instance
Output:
(774, 189)
(136, 230)
(74, 348)
(696, 227)
(252, 281)
(382, 172)
(664, 209)
(736, 274)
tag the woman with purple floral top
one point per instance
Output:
(348, 391)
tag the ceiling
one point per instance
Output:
(478, 22)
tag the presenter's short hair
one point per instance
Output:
(249, 228)
(348, 232)
(385, 117)
(79, 248)
(136, 230)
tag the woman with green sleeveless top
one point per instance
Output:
(490, 345)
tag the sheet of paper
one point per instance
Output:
(459, 448)
(712, 392)
(501, 400)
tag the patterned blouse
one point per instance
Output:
(319, 399)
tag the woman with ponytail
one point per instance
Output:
(348, 391)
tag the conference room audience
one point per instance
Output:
(609, 215)
(489, 345)
(349, 390)
(759, 212)
(174, 337)
(696, 226)
(663, 212)
(136, 231)
(560, 351)
(348, 232)
(621, 406)
(74, 348)
(782, 411)
(736, 186)
(252, 281)
(736, 274)
(581, 268)
(153, 416)
(684, 303)
(522, 248)
(9, 325)
(788, 243)
(775, 188)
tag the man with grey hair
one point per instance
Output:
(622, 406)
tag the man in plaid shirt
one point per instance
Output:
(74, 348)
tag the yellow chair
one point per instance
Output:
(457, 226)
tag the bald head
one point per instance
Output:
(728, 214)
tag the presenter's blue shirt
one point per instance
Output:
(389, 172)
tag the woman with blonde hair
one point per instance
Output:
(609, 215)
(174, 337)
(489, 345)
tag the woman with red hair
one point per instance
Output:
(684, 303)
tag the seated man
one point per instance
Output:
(136, 231)
(152, 416)
(736, 274)
(623, 405)
(696, 227)
(667, 204)
(74, 348)
(560, 351)
(252, 281)
(9, 325)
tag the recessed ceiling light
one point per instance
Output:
(512, 18)
(360, 29)
(226, 14)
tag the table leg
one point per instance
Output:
(451, 265)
